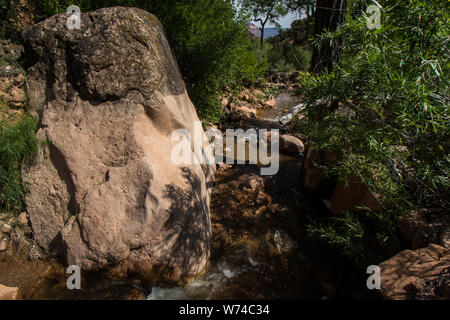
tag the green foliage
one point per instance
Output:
(17, 145)
(212, 47)
(392, 126)
(290, 50)
(366, 237)
(210, 41)
(265, 10)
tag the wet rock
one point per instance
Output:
(224, 166)
(422, 227)
(261, 198)
(283, 242)
(405, 275)
(5, 85)
(353, 196)
(104, 192)
(244, 111)
(9, 293)
(291, 145)
(16, 97)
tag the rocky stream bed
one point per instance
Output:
(260, 247)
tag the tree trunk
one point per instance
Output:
(328, 16)
(261, 39)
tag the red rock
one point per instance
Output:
(413, 269)
(355, 195)
(9, 293)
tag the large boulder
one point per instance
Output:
(417, 274)
(104, 192)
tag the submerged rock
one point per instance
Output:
(104, 192)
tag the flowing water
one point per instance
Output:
(260, 246)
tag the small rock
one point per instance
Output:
(6, 228)
(252, 182)
(261, 198)
(270, 103)
(23, 218)
(224, 166)
(245, 97)
(4, 95)
(3, 244)
(261, 210)
(5, 83)
(291, 144)
(9, 293)
(14, 112)
(20, 78)
(248, 112)
(283, 242)
(17, 95)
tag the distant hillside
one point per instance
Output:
(268, 32)
(272, 32)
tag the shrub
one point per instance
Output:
(18, 145)
(210, 41)
(392, 86)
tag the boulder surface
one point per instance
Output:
(417, 274)
(104, 192)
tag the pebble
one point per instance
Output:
(6, 228)
(23, 218)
